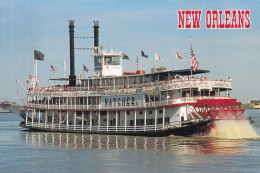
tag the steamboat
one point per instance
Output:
(160, 103)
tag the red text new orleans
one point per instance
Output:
(214, 19)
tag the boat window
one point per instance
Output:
(98, 61)
(112, 60)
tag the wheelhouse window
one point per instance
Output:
(114, 60)
(98, 61)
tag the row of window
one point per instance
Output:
(140, 122)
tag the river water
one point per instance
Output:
(24, 151)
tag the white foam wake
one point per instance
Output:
(233, 129)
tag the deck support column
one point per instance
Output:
(107, 120)
(48, 102)
(155, 119)
(26, 117)
(67, 120)
(52, 120)
(163, 116)
(59, 119)
(82, 121)
(46, 118)
(135, 121)
(90, 120)
(145, 120)
(87, 102)
(116, 120)
(33, 112)
(59, 102)
(39, 118)
(125, 120)
(74, 124)
(98, 120)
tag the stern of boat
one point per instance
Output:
(207, 111)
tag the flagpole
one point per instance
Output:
(141, 64)
(155, 63)
(83, 70)
(191, 52)
(175, 61)
(35, 71)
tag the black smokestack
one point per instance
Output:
(72, 78)
(96, 36)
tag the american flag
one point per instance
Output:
(85, 68)
(157, 57)
(38, 55)
(194, 61)
(137, 66)
(54, 68)
(105, 63)
(143, 54)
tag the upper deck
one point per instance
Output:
(137, 88)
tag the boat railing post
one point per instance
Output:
(125, 120)
(90, 121)
(46, 118)
(107, 120)
(82, 121)
(67, 120)
(155, 120)
(116, 119)
(135, 121)
(33, 116)
(145, 120)
(52, 120)
(98, 120)
(39, 118)
(163, 120)
(59, 119)
(74, 123)
(26, 117)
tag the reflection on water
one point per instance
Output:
(175, 145)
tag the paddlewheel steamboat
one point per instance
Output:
(160, 103)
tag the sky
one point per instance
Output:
(127, 26)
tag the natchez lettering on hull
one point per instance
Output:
(132, 101)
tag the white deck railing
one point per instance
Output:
(98, 129)
(144, 104)
(135, 89)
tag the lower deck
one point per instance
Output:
(134, 121)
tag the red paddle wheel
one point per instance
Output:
(216, 109)
(219, 109)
